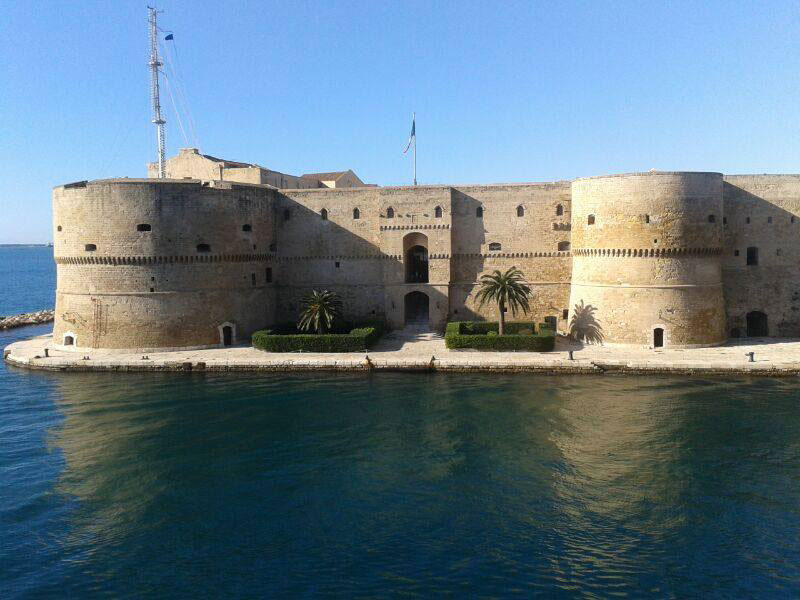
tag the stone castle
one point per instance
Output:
(222, 248)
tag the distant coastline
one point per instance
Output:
(45, 245)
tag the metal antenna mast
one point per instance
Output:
(155, 64)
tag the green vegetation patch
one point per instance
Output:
(483, 336)
(285, 338)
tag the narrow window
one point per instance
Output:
(337, 264)
(479, 212)
(712, 219)
(90, 247)
(324, 214)
(143, 227)
(437, 212)
(559, 210)
(647, 218)
(152, 289)
(724, 220)
(494, 246)
(520, 211)
(736, 253)
(565, 313)
(356, 213)
(247, 227)
(287, 214)
(747, 220)
(390, 213)
(590, 220)
(563, 246)
(769, 219)
(778, 252)
(752, 256)
(203, 248)
(59, 227)
(269, 274)
(253, 278)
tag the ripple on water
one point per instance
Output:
(377, 485)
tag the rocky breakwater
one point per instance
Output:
(31, 318)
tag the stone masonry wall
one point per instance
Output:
(146, 264)
(762, 212)
(646, 256)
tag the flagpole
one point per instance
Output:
(414, 120)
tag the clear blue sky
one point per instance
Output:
(504, 92)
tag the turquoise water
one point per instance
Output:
(198, 485)
(28, 279)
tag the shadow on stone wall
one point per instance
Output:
(771, 286)
(583, 326)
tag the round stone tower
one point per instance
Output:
(153, 264)
(646, 258)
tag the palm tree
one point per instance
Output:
(507, 288)
(319, 311)
(584, 327)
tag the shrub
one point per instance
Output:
(483, 336)
(276, 341)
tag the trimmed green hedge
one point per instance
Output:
(283, 339)
(483, 336)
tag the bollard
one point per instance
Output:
(750, 356)
(570, 355)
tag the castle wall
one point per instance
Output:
(529, 241)
(646, 255)
(130, 274)
(763, 212)
(665, 251)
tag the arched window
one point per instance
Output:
(324, 214)
(437, 212)
(559, 210)
(590, 220)
(59, 227)
(203, 248)
(494, 247)
(356, 213)
(520, 211)
(752, 256)
(479, 212)
(390, 213)
(712, 219)
(90, 247)
(247, 227)
(141, 227)
(563, 246)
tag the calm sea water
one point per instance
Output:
(27, 279)
(124, 485)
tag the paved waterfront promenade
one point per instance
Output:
(414, 351)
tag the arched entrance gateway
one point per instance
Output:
(415, 257)
(757, 324)
(417, 309)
